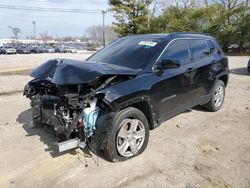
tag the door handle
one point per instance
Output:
(190, 70)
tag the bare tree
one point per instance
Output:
(68, 39)
(157, 6)
(185, 3)
(95, 33)
(231, 4)
(163, 3)
(45, 37)
(110, 34)
(15, 31)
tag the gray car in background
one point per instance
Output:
(7, 50)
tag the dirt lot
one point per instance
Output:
(195, 149)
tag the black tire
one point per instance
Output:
(110, 149)
(211, 104)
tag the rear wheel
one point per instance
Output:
(217, 97)
(128, 135)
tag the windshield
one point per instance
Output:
(130, 52)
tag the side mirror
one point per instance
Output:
(166, 64)
(169, 64)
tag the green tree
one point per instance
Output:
(227, 20)
(231, 23)
(182, 19)
(131, 16)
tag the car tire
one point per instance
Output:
(132, 124)
(217, 97)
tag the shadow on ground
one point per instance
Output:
(240, 71)
(200, 108)
(46, 134)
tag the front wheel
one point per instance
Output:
(217, 97)
(128, 135)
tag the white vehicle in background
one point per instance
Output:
(99, 48)
(49, 49)
(7, 50)
(70, 49)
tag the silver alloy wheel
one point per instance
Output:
(218, 96)
(130, 137)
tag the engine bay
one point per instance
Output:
(72, 110)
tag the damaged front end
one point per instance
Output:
(71, 110)
(64, 95)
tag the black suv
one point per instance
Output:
(110, 101)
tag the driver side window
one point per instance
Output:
(177, 50)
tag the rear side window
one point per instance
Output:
(214, 46)
(199, 48)
(177, 50)
(211, 45)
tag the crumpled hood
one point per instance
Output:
(66, 71)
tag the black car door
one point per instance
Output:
(203, 58)
(173, 89)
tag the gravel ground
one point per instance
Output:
(18, 67)
(192, 150)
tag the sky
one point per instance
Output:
(55, 23)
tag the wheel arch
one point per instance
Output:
(107, 115)
(145, 105)
(224, 79)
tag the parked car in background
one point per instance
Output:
(99, 48)
(70, 49)
(49, 49)
(91, 49)
(36, 49)
(233, 48)
(23, 50)
(60, 49)
(44, 49)
(112, 100)
(8, 50)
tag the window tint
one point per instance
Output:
(177, 50)
(211, 45)
(130, 52)
(199, 48)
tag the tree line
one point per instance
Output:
(94, 34)
(227, 20)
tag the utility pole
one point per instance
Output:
(147, 3)
(34, 27)
(103, 27)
